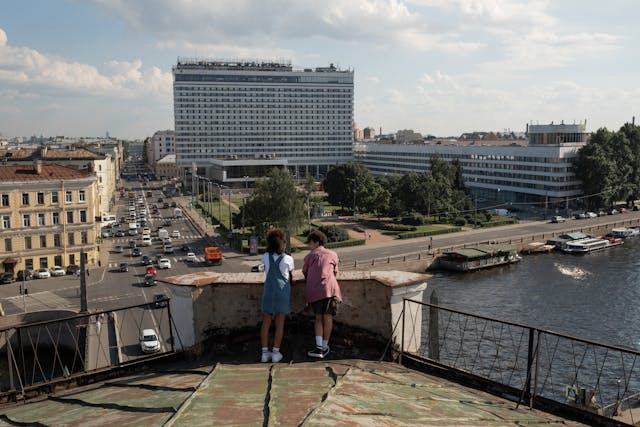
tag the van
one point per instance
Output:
(163, 234)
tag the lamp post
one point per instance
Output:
(244, 198)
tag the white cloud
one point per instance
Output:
(372, 79)
(3, 38)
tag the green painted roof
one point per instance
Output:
(482, 250)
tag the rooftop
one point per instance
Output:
(49, 172)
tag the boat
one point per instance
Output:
(624, 232)
(537, 247)
(584, 246)
(478, 257)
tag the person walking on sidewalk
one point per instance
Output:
(276, 294)
(322, 290)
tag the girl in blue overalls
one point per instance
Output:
(276, 295)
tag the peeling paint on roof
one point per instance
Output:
(50, 172)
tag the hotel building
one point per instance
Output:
(236, 120)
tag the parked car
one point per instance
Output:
(149, 342)
(164, 263)
(167, 222)
(591, 215)
(7, 277)
(57, 271)
(118, 249)
(124, 267)
(120, 233)
(105, 233)
(159, 300)
(136, 251)
(191, 257)
(558, 218)
(175, 234)
(168, 249)
(42, 273)
(146, 241)
(24, 275)
(72, 269)
(149, 279)
(258, 268)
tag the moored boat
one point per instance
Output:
(478, 257)
(624, 232)
(584, 246)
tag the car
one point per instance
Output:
(72, 269)
(7, 277)
(557, 219)
(164, 263)
(124, 267)
(133, 232)
(105, 233)
(173, 204)
(258, 268)
(165, 205)
(149, 279)
(581, 216)
(57, 271)
(168, 249)
(146, 241)
(160, 199)
(151, 270)
(592, 215)
(175, 234)
(146, 230)
(160, 300)
(613, 212)
(186, 248)
(146, 260)
(25, 275)
(149, 342)
(132, 244)
(136, 251)
(191, 257)
(42, 273)
(167, 222)
(120, 233)
(166, 240)
(118, 249)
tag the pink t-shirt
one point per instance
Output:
(320, 269)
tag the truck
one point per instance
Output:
(177, 212)
(212, 255)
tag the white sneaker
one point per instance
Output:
(266, 356)
(276, 356)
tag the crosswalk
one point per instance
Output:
(125, 240)
(174, 260)
(46, 300)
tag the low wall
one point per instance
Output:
(207, 302)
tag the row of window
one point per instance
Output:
(43, 262)
(40, 198)
(40, 218)
(44, 241)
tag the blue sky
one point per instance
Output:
(441, 67)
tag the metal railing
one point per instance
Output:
(41, 354)
(535, 364)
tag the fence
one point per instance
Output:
(39, 356)
(536, 365)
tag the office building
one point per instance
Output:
(236, 120)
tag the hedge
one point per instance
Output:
(412, 234)
(345, 243)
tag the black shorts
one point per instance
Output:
(325, 306)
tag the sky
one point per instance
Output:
(439, 67)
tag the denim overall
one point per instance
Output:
(276, 295)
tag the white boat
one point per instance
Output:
(584, 246)
(624, 232)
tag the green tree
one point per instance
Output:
(275, 202)
(351, 185)
(596, 169)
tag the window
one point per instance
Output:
(83, 216)
(72, 259)
(43, 241)
(55, 218)
(69, 217)
(28, 263)
(25, 198)
(5, 200)
(26, 220)
(57, 260)
(55, 198)
(68, 197)
(27, 242)
(84, 238)
(7, 245)
(6, 221)
(44, 262)
(56, 241)
(82, 197)
(72, 239)
(40, 197)
(41, 219)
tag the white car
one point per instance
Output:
(149, 342)
(191, 257)
(175, 234)
(146, 241)
(164, 263)
(42, 273)
(146, 230)
(57, 271)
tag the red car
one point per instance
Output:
(151, 270)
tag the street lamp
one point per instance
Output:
(244, 198)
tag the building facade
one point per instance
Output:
(165, 168)
(238, 119)
(47, 215)
(539, 172)
(162, 142)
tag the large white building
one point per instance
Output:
(236, 120)
(162, 142)
(539, 172)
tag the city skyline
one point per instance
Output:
(440, 67)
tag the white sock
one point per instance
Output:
(318, 341)
(325, 343)
(276, 349)
(265, 349)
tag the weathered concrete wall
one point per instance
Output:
(219, 301)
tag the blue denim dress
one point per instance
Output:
(276, 295)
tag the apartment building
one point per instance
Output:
(47, 215)
(159, 145)
(537, 171)
(236, 120)
(165, 168)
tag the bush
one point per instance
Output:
(414, 219)
(459, 221)
(398, 227)
(355, 242)
(334, 233)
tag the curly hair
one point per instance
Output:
(317, 236)
(275, 241)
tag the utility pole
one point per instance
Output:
(83, 284)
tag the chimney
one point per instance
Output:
(37, 166)
(43, 151)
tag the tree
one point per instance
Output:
(596, 169)
(275, 202)
(350, 185)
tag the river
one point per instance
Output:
(593, 296)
